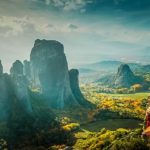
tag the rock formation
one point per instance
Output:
(27, 70)
(50, 73)
(3, 94)
(1, 68)
(74, 83)
(46, 71)
(125, 77)
(6, 94)
(20, 85)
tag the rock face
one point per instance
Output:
(1, 68)
(27, 70)
(50, 73)
(46, 71)
(6, 94)
(20, 85)
(3, 94)
(125, 77)
(74, 83)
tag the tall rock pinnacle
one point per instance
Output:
(1, 68)
(74, 82)
(50, 73)
(20, 85)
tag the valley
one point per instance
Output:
(44, 108)
(74, 75)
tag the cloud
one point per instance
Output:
(73, 27)
(47, 2)
(69, 5)
(57, 3)
(117, 2)
(13, 25)
(83, 10)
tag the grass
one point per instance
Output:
(133, 96)
(111, 124)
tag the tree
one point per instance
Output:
(137, 87)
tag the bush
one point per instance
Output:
(71, 127)
(3, 144)
(121, 139)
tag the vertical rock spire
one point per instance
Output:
(50, 73)
(20, 85)
(1, 68)
(74, 83)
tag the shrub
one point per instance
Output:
(71, 127)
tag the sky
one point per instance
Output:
(90, 30)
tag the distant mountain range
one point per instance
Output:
(103, 65)
(124, 78)
(112, 66)
(99, 70)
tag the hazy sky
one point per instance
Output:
(91, 30)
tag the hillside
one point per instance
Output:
(100, 70)
(112, 66)
(124, 78)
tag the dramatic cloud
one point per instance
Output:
(87, 28)
(13, 26)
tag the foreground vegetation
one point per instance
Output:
(124, 139)
(121, 139)
(37, 131)
(80, 129)
(125, 105)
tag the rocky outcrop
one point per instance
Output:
(20, 85)
(46, 71)
(50, 73)
(6, 94)
(74, 83)
(1, 68)
(27, 70)
(16, 69)
(125, 77)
